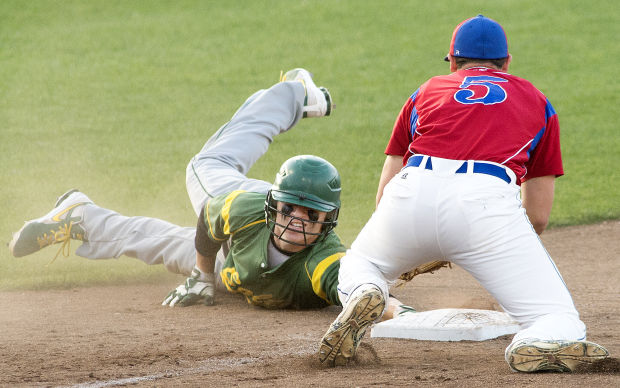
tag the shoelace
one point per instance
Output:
(62, 235)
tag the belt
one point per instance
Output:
(478, 167)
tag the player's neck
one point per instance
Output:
(476, 66)
(279, 245)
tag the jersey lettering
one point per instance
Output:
(230, 278)
(495, 93)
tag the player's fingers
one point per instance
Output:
(168, 298)
(174, 301)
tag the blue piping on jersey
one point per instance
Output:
(413, 121)
(549, 112)
(535, 141)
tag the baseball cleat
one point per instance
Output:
(559, 356)
(340, 342)
(318, 101)
(58, 226)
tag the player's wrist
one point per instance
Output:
(202, 276)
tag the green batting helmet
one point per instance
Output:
(309, 181)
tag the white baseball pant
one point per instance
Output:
(476, 221)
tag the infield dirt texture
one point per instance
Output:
(121, 336)
(114, 97)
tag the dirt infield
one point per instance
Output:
(118, 336)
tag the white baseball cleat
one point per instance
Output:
(533, 355)
(318, 101)
(60, 225)
(341, 340)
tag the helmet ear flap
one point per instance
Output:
(331, 220)
(270, 211)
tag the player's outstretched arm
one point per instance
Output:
(200, 286)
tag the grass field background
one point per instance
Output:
(115, 97)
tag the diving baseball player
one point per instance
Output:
(470, 143)
(272, 243)
(295, 249)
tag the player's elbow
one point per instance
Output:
(539, 224)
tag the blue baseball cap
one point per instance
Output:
(480, 38)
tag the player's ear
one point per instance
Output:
(507, 63)
(453, 67)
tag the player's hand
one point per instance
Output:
(198, 288)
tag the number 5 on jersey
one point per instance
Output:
(495, 94)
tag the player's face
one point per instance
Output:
(291, 223)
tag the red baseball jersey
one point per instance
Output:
(481, 114)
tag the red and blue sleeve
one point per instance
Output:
(401, 133)
(545, 155)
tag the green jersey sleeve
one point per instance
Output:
(222, 219)
(322, 267)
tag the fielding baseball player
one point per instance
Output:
(470, 142)
(272, 243)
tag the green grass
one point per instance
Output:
(114, 97)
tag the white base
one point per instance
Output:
(447, 325)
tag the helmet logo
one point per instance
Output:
(334, 184)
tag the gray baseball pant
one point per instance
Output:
(220, 167)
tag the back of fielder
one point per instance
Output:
(280, 250)
(470, 141)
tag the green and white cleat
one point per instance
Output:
(318, 101)
(60, 225)
(533, 355)
(340, 342)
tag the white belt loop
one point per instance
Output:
(470, 166)
(511, 175)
